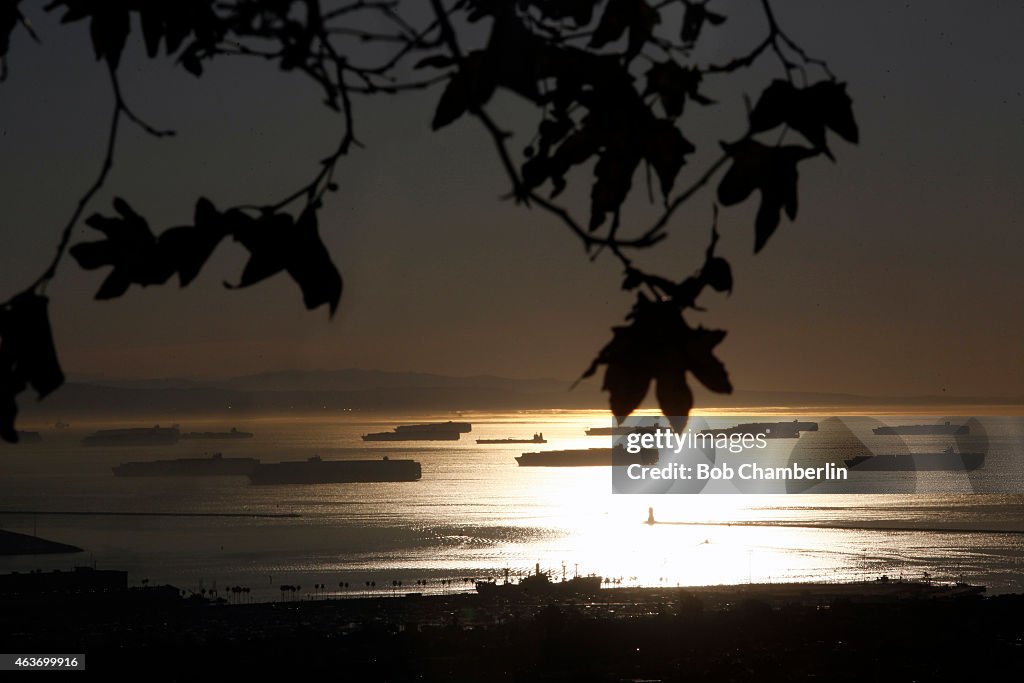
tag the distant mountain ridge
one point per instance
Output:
(376, 390)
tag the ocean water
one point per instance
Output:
(476, 514)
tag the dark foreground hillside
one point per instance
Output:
(737, 634)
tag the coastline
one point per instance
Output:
(13, 543)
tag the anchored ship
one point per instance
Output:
(140, 436)
(942, 429)
(433, 431)
(537, 438)
(588, 457)
(458, 427)
(540, 583)
(318, 471)
(233, 434)
(948, 460)
(770, 430)
(214, 466)
(620, 431)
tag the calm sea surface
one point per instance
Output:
(476, 513)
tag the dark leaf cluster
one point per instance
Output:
(276, 242)
(594, 108)
(28, 357)
(657, 345)
(695, 17)
(10, 15)
(176, 23)
(808, 111)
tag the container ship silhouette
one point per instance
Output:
(139, 436)
(948, 460)
(233, 434)
(537, 438)
(214, 466)
(942, 429)
(318, 471)
(433, 431)
(588, 457)
(770, 430)
(621, 430)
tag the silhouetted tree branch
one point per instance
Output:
(610, 79)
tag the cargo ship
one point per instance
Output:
(621, 431)
(942, 430)
(540, 583)
(318, 471)
(588, 457)
(29, 437)
(235, 433)
(537, 438)
(214, 466)
(433, 431)
(946, 461)
(140, 436)
(457, 427)
(770, 430)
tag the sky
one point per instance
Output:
(900, 276)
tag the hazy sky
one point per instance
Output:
(901, 275)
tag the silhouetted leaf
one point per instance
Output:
(665, 149)
(614, 177)
(435, 62)
(772, 170)
(658, 345)
(140, 258)
(172, 21)
(626, 386)
(109, 24)
(580, 12)
(268, 241)
(10, 387)
(718, 274)
(468, 89)
(9, 15)
(276, 243)
(674, 396)
(27, 356)
(806, 110)
(837, 109)
(636, 16)
(188, 247)
(673, 85)
(130, 248)
(311, 266)
(701, 361)
(29, 342)
(696, 15)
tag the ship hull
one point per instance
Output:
(217, 435)
(336, 472)
(412, 436)
(157, 436)
(587, 457)
(620, 431)
(770, 430)
(195, 467)
(927, 430)
(923, 462)
(500, 441)
(457, 427)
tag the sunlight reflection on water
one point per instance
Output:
(476, 513)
